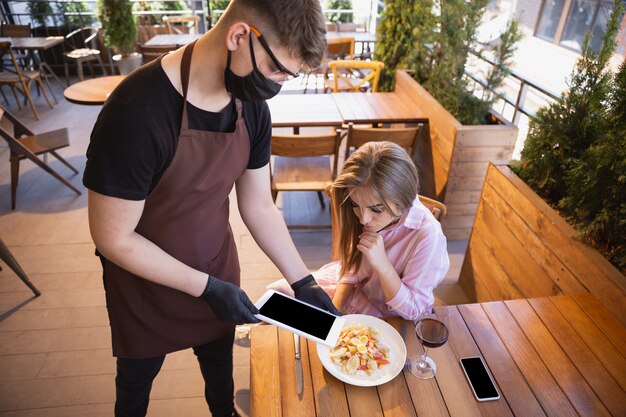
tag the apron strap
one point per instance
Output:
(185, 69)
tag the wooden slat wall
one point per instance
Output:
(453, 158)
(521, 248)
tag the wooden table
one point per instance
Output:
(94, 91)
(173, 39)
(363, 37)
(299, 110)
(377, 107)
(556, 356)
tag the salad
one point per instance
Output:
(359, 350)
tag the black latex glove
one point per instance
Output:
(229, 302)
(308, 291)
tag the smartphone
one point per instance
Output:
(479, 379)
(299, 317)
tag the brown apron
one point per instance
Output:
(186, 215)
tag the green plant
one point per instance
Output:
(71, 20)
(39, 11)
(575, 152)
(216, 5)
(146, 19)
(433, 39)
(118, 24)
(339, 5)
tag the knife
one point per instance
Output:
(298, 364)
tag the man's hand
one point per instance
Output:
(229, 302)
(308, 291)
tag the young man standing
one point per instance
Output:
(165, 152)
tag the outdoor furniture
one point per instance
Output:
(353, 75)
(552, 356)
(337, 48)
(363, 41)
(300, 110)
(24, 144)
(405, 137)
(303, 163)
(152, 52)
(83, 45)
(172, 39)
(181, 24)
(7, 257)
(21, 80)
(360, 108)
(16, 31)
(93, 92)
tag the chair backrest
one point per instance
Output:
(7, 52)
(298, 146)
(84, 37)
(353, 75)
(437, 208)
(337, 48)
(406, 137)
(15, 31)
(182, 24)
(19, 130)
(152, 52)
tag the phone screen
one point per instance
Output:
(479, 378)
(297, 315)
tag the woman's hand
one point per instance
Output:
(372, 247)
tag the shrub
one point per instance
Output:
(575, 152)
(339, 5)
(118, 24)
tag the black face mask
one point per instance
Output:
(252, 87)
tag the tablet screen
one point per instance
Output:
(297, 315)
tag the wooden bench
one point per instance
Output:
(522, 248)
(452, 158)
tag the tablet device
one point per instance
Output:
(299, 317)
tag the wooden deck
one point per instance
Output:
(55, 355)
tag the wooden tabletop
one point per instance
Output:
(358, 36)
(92, 92)
(377, 107)
(179, 39)
(556, 356)
(298, 110)
(34, 43)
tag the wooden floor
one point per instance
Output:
(55, 356)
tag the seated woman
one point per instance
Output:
(392, 250)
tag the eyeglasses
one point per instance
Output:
(275, 60)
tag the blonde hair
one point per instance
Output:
(388, 172)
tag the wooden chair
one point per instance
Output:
(7, 257)
(82, 45)
(437, 208)
(337, 48)
(152, 52)
(20, 80)
(24, 144)
(405, 137)
(181, 24)
(16, 31)
(303, 163)
(350, 27)
(353, 75)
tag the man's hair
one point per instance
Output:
(387, 171)
(297, 24)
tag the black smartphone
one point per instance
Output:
(479, 379)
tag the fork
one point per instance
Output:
(403, 334)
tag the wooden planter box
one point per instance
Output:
(452, 158)
(521, 248)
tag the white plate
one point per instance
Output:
(387, 336)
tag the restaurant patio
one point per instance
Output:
(55, 349)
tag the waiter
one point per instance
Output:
(167, 148)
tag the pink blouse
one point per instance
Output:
(416, 248)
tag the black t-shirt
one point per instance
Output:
(136, 134)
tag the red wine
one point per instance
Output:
(432, 333)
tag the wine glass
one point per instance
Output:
(432, 330)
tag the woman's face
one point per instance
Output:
(371, 212)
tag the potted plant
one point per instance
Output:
(432, 39)
(558, 225)
(120, 33)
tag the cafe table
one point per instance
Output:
(552, 356)
(304, 110)
(92, 92)
(362, 108)
(176, 39)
